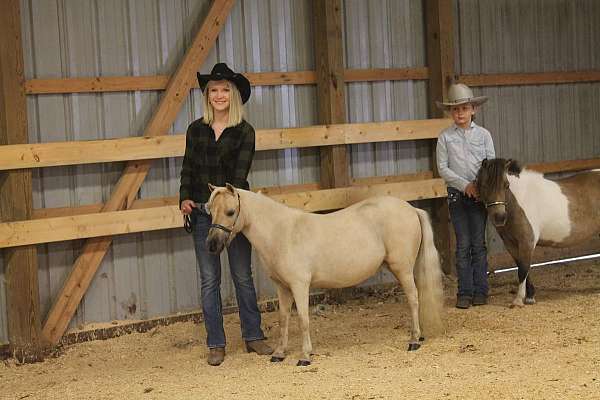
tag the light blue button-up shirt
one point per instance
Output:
(460, 152)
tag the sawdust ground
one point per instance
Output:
(550, 350)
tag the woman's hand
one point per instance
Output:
(186, 206)
(471, 191)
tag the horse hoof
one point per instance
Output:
(413, 346)
(277, 359)
(421, 339)
(303, 363)
(529, 300)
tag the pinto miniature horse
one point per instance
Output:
(528, 210)
(301, 250)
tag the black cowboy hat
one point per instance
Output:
(221, 71)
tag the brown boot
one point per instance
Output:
(259, 347)
(216, 356)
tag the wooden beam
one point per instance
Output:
(58, 229)
(142, 148)
(440, 61)
(104, 84)
(267, 191)
(128, 185)
(20, 264)
(331, 104)
(378, 180)
(332, 199)
(565, 166)
(537, 78)
(386, 74)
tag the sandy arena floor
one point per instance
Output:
(547, 351)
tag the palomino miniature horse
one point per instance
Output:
(528, 210)
(336, 250)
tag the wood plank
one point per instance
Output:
(440, 56)
(336, 134)
(332, 199)
(21, 233)
(331, 103)
(565, 166)
(90, 151)
(386, 74)
(143, 148)
(378, 180)
(57, 229)
(135, 172)
(537, 78)
(267, 191)
(102, 84)
(105, 84)
(20, 264)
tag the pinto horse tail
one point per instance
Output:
(428, 278)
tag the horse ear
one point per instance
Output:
(513, 167)
(230, 187)
(211, 187)
(484, 162)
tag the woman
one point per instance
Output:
(219, 149)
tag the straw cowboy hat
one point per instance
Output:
(222, 72)
(459, 93)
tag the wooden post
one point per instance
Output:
(20, 263)
(440, 61)
(330, 87)
(135, 173)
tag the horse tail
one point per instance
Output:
(428, 278)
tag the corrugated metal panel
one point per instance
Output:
(540, 122)
(150, 274)
(154, 273)
(3, 308)
(385, 34)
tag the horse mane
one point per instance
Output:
(495, 168)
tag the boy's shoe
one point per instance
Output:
(480, 300)
(463, 302)
(216, 356)
(259, 347)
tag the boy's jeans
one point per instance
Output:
(469, 219)
(239, 252)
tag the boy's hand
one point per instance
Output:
(471, 191)
(186, 206)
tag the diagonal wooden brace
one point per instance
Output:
(126, 190)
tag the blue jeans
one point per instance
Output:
(469, 218)
(239, 252)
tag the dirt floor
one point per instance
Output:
(550, 350)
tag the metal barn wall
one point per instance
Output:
(534, 123)
(385, 34)
(154, 273)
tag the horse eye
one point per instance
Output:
(506, 185)
(230, 213)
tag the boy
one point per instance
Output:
(460, 150)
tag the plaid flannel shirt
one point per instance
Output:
(226, 160)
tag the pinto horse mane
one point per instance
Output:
(495, 168)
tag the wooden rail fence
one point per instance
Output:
(87, 221)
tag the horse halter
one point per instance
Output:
(495, 203)
(224, 228)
